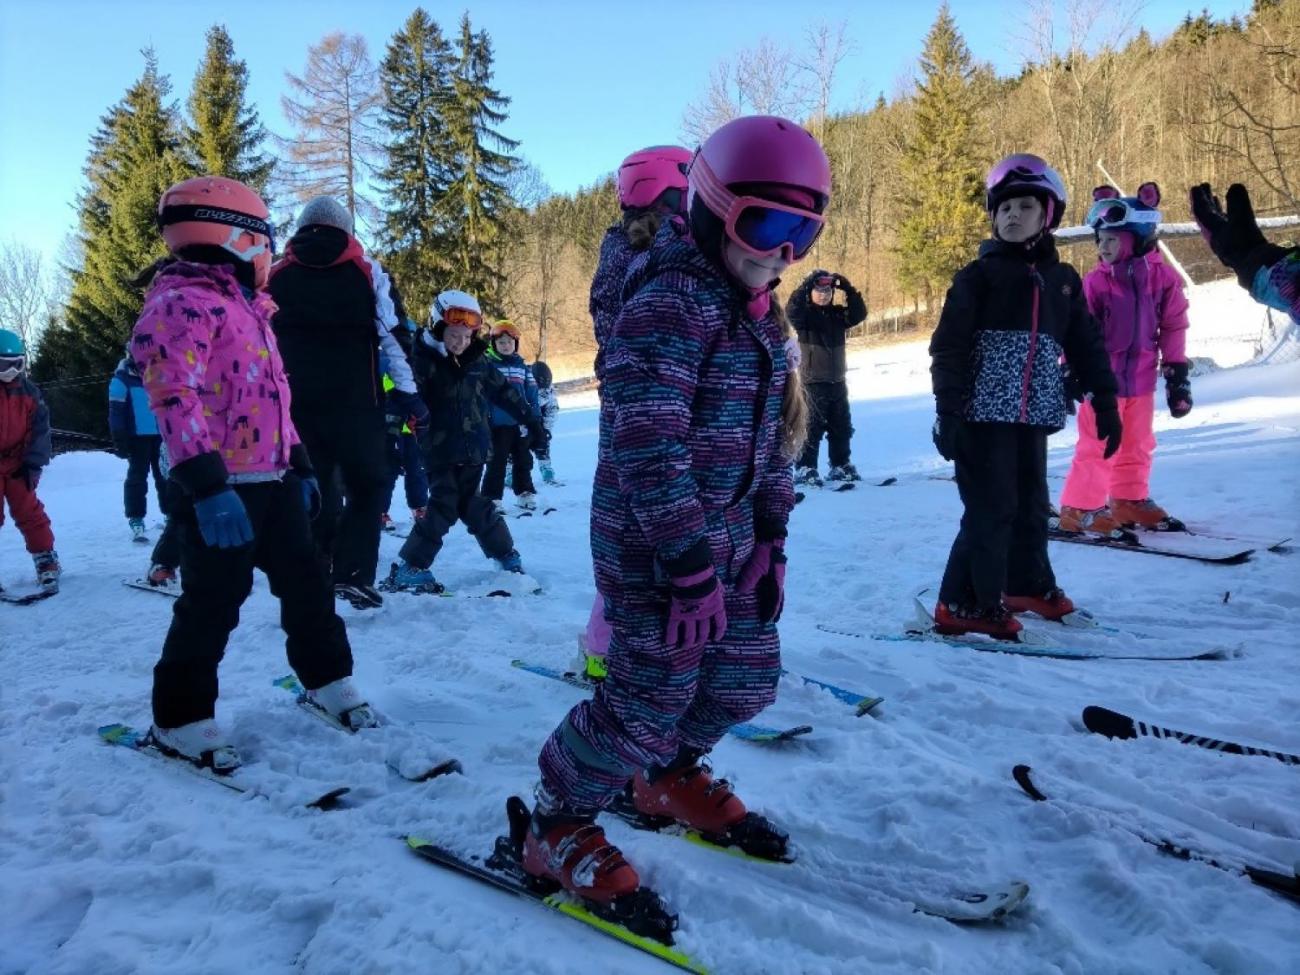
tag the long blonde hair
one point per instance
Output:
(794, 404)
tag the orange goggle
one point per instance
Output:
(463, 316)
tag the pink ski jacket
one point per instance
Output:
(208, 360)
(1142, 311)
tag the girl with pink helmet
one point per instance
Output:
(1009, 319)
(651, 188)
(1139, 303)
(243, 484)
(693, 491)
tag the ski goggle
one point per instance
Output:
(466, 317)
(1109, 213)
(758, 226)
(11, 366)
(824, 283)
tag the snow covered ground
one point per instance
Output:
(113, 864)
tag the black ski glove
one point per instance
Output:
(1234, 237)
(1178, 389)
(946, 434)
(539, 437)
(1109, 429)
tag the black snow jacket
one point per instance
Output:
(821, 330)
(1008, 320)
(325, 327)
(460, 392)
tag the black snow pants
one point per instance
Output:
(216, 581)
(454, 496)
(828, 414)
(350, 457)
(143, 457)
(1002, 544)
(508, 445)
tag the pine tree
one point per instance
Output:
(420, 158)
(135, 155)
(478, 200)
(942, 211)
(226, 136)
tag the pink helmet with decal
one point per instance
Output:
(218, 212)
(767, 180)
(649, 174)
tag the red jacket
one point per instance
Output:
(24, 427)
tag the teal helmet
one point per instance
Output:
(13, 355)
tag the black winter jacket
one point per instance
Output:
(821, 330)
(460, 392)
(325, 326)
(1008, 319)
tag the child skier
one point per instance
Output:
(693, 490)
(998, 387)
(24, 452)
(651, 188)
(548, 404)
(135, 439)
(403, 445)
(1139, 304)
(510, 443)
(458, 385)
(208, 358)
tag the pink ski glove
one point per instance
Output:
(698, 615)
(764, 573)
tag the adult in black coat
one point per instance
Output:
(822, 325)
(337, 310)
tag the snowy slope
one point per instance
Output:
(114, 865)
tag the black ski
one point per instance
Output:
(639, 919)
(1168, 544)
(1286, 885)
(1113, 724)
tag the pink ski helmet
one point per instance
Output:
(649, 174)
(220, 212)
(1024, 174)
(782, 174)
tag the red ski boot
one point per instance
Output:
(687, 794)
(572, 851)
(1052, 605)
(996, 621)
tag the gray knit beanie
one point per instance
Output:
(325, 211)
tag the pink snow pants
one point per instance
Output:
(1093, 479)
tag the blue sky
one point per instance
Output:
(586, 88)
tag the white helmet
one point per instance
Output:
(454, 299)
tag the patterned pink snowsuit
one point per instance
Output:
(1140, 306)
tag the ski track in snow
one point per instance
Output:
(115, 864)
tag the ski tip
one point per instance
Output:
(1021, 774)
(868, 704)
(330, 799)
(414, 842)
(1104, 721)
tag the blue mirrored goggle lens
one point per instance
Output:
(766, 230)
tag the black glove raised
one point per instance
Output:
(946, 434)
(1109, 429)
(1234, 237)
(1178, 389)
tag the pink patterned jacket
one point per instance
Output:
(208, 360)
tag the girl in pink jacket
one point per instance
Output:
(208, 360)
(1139, 303)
